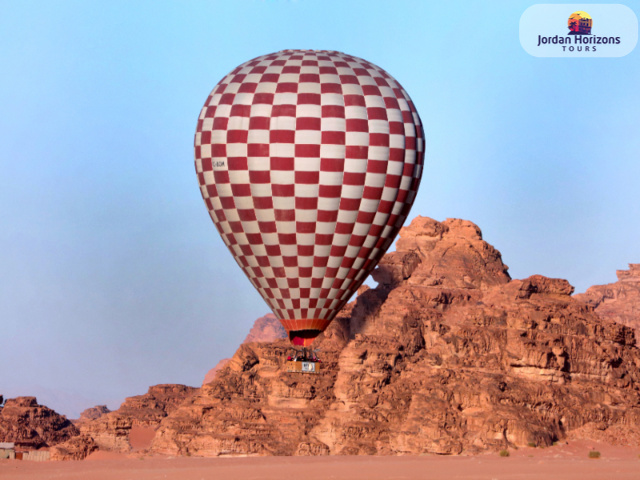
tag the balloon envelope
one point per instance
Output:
(309, 162)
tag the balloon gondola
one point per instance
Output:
(308, 162)
(303, 360)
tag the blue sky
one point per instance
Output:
(113, 276)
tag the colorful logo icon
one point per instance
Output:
(580, 23)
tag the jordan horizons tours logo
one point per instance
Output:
(579, 37)
(569, 31)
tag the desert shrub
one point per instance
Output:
(594, 454)
(532, 444)
(504, 453)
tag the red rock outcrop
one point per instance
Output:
(31, 426)
(140, 414)
(447, 355)
(265, 329)
(75, 448)
(620, 301)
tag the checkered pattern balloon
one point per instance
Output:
(309, 162)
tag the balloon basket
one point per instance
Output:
(303, 360)
(303, 367)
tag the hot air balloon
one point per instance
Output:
(309, 162)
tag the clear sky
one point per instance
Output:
(113, 277)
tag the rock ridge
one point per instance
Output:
(619, 301)
(137, 416)
(447, 355)
(31, 426)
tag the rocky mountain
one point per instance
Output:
(446, 355)
(620, 301)
(31, 426)
(265, 329)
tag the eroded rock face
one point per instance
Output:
(620, 301)
(447, 355)
(447, 254)
(252, 407)
(75, 448)
(265, 329)
(111, 431)
(31, 426)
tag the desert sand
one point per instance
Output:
(561, 462)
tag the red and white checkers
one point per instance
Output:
(309, 162)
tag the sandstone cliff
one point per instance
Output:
(447, 355)
(620, 301)
(31, 426)
(75, 448)
(134, 423)
(265, 329)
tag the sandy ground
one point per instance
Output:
(140, 437)
(561, 462)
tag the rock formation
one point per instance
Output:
(137, 416)
(129, 428)
(93, 413)
(31, 426)
(620, 301)
(75, 448)
(446, 355)
(265, 329)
